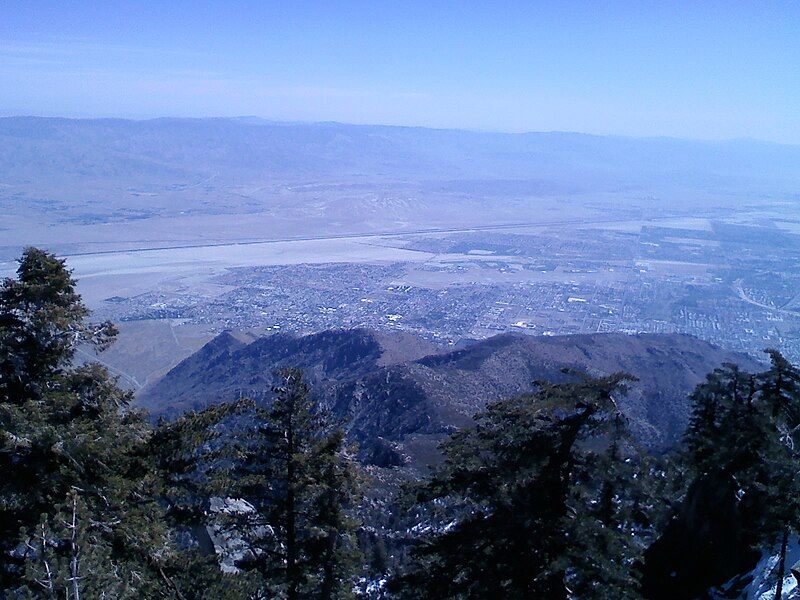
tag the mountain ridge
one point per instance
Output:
(247, 120)
(239, 150)
(425, 392)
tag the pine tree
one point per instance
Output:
(68, 439)
(41, 319)
(187, 452)
(69, 557)
(525, 506)
(751, 450)
(299, 481)
(743, 480)
(614, 504)
(780, 393)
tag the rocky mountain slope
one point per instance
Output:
(408, 393)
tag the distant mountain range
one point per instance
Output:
(247, 149)
(69, 184)
(400, 393)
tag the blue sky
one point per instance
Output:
(686, 69)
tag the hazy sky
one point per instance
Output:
(694, 69)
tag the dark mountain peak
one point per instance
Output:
(231, 366)
(406, 390)
(228, 340)
(331, 354)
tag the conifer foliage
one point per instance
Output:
(77, 497)
(538, 502)
(740, 459)
(298, 483)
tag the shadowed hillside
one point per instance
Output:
(397, 387)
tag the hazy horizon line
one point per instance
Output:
(141, 119)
